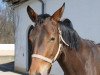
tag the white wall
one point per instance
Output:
(84, 14)
(23, 23)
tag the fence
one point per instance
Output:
(7, 49)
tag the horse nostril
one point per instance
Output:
(38, 73)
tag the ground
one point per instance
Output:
(7, 66)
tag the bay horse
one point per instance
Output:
(53, 40)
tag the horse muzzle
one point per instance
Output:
(39, 73)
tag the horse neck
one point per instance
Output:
(74, 62)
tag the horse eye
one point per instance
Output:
(52, 39)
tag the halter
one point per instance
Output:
(54, 59)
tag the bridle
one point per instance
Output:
(58, 52)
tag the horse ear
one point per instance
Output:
(58, 14)
(32, 14)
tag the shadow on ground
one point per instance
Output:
(9, 67)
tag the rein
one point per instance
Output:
(54, 59)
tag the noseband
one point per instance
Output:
(54, 59)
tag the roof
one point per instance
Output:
(14, 2)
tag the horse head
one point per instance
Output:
(45, 40)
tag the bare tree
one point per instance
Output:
(6, 24)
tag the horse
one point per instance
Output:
(53, 40)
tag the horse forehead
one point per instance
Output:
(47, 21)
(47, 25)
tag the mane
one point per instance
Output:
(69, 35)
(42, 17)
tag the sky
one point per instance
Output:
(2, 5)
